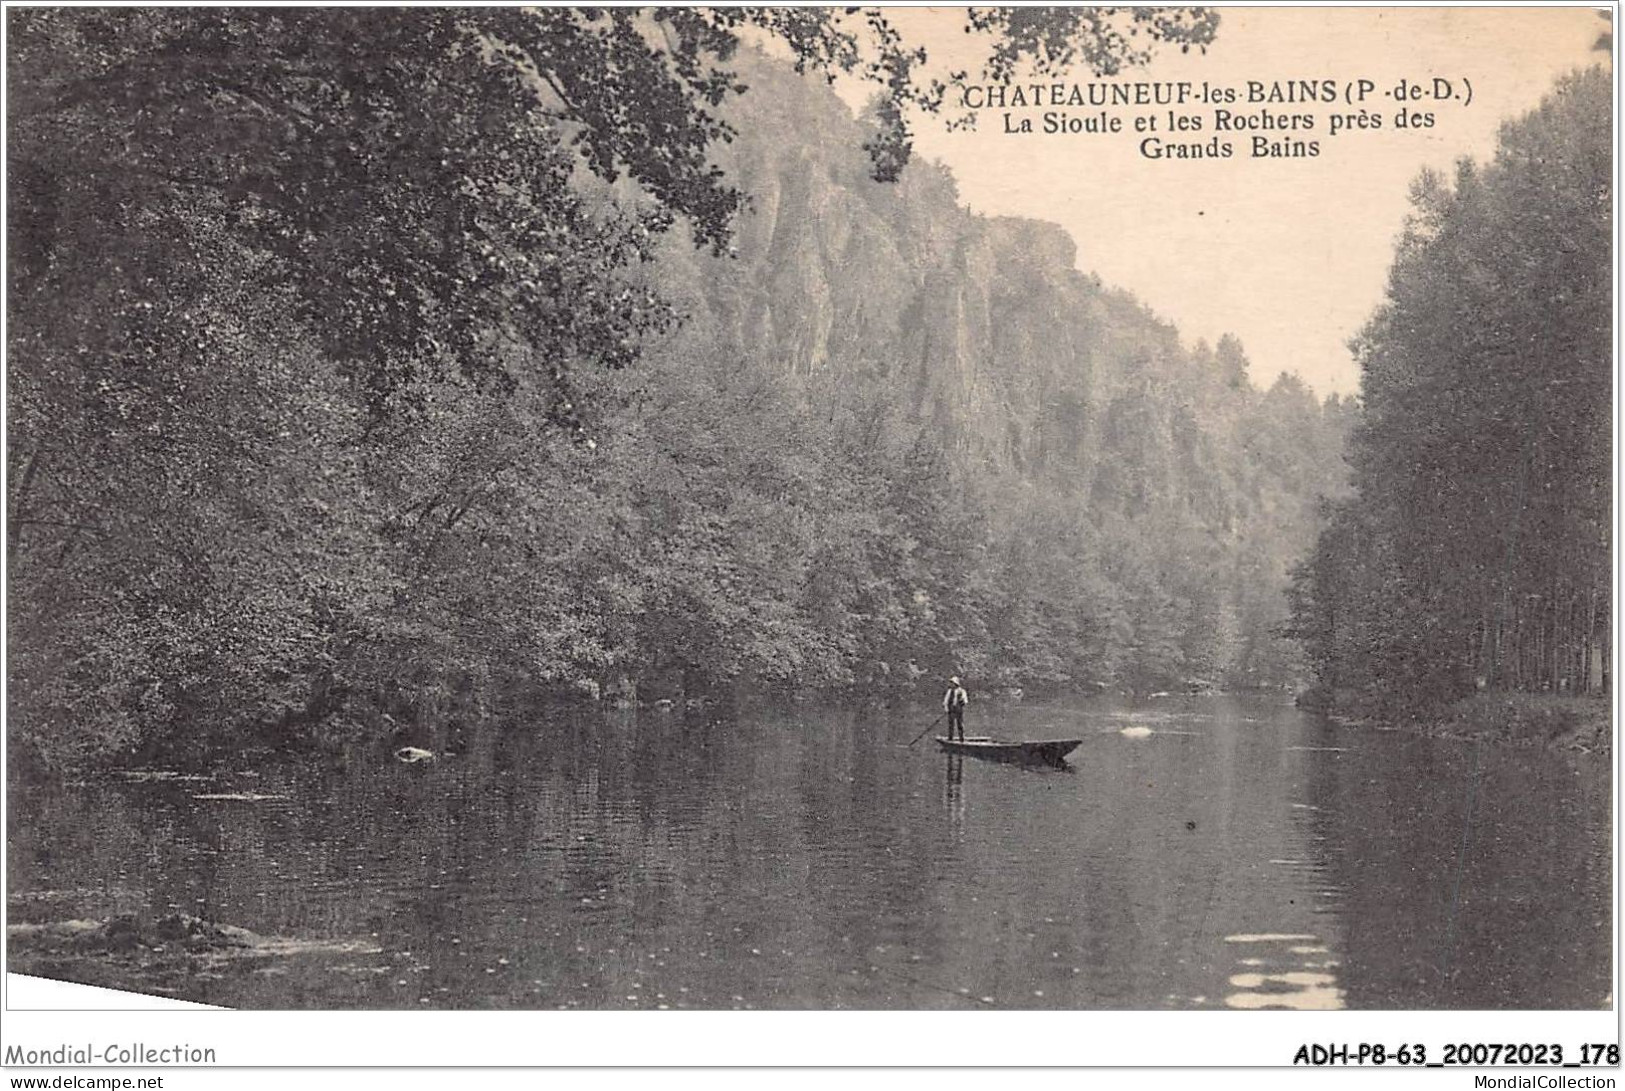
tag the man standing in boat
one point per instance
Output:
(953, 703)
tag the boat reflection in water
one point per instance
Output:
(953, 792)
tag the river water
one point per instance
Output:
(1198, 853)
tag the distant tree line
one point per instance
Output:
(1475, 552)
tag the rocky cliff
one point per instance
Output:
(984, 332)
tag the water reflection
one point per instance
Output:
(1284, 978)
(1202, 853)
(953, 795)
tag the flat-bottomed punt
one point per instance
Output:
(1045, 753)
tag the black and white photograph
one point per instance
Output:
(1041, 510)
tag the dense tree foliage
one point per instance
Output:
(319, 415)
(1476, 553)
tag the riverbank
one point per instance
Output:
(1582, 724)
(174, 954)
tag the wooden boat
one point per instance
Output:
(1047, 753)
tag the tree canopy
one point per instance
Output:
(1476, 553)
(316, 317)
(404, 171)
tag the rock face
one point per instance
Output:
(984, 332)
(983, 326)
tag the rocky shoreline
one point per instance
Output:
(165, 955)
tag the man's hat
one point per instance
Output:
(955, 681)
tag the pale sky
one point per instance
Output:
(1289, 255)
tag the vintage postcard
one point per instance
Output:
(1094, 519)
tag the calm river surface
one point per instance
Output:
(1200, 853)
